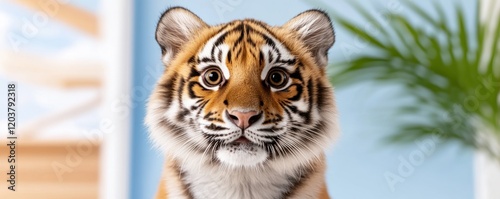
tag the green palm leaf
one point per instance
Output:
(452, 69)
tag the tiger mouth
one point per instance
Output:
(242, 143)
(241, 140)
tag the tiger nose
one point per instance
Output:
(243, 119)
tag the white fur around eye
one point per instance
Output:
(270, 64)
(266, 49)
(221, 64)
(206, 52)
(284, 88)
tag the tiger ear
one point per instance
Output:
(315, 30)
(176, 26)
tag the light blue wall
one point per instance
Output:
(359, 160)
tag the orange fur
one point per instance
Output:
(316, 181)
(244, 90)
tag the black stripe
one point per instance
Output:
(213, 137)
(297, 75)
(181, 115)
(324, 92)
(304, 138)
(219, 56)
(251, 42)
(222, 38)
(310, 93)
(191, 91)
(262, 25)
(299, 179)
(241, 29)
(303, 115)
(219, 41)
(205, 59)
(208, 115)
(214, 119)
(192, 60)
(278, 118)
(269, 41)
(179, 133)
(270, 57)
(229, 56)
(298, 87)
(238, 53)
(180, 88)
(184, 112)
(185, 185)
(270, 130)
(287, 61)
(278, 53)
(167, 90)
(194, 73)
(201, 108)
(286, 110)
(214, 127)
(249, 29)
(194, 107)
(261, 58)
(254, 55)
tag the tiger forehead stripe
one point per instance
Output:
(207, 56)
(273, 49)
(274, 53)
(215, 51)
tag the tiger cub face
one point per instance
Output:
(243, 94)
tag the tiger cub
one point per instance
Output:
(243, 110)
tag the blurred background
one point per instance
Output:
(417, 85)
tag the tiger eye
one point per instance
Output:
(212, 77)
(277, 78)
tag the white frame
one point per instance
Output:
(487, 170)
(115, 152)
(487, 177)
(116, 26)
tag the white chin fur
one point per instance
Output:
(242, 155)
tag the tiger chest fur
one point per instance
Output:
(243, 110)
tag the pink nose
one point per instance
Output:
(243, 119)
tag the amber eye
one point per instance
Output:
(212, 77)
(277, 78)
